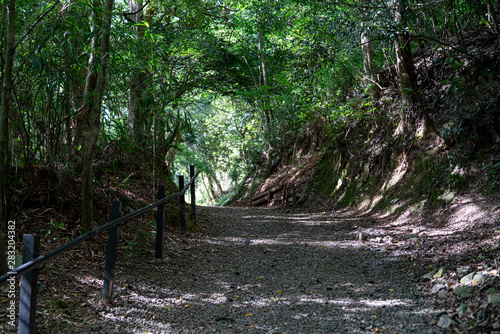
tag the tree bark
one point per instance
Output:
(136, 86)
(367, 51)
(138, 101)
(4, 131)
(93, 105)
(494, 18)
(405, 68)
(84, 112)
(263, 79)
(404, 57)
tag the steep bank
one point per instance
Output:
(437, 193)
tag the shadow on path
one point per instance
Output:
(262, 271)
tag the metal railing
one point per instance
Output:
(32, 260)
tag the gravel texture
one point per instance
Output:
(261, 271)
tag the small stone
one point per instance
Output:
(479, 278)
(462, 309)
(445, 321)
(439, 273)
(442, 294)
(387, 239)
(463, 291)
(494, 299)
(436, 288)
(466, 280)
(481, 315)
(430, 274)
(361, 236)
(377, 239)
(462, 271)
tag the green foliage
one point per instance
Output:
(60, 304)
(53, 227)
(493, 169)
(226, 84)
(140, 242)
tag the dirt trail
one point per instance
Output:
(302, 273)
(261, 271)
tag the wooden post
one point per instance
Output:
(250, 195)
(193, 193)
(29, 289)
(182, 204)
(268, 195)
(160, 219)
(109, 269)
(293, 194)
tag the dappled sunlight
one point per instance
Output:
(131, 320)
(282, 240)
(246, 278)
(89, 280)
(236, 302)
(465, 215)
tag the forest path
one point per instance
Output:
(265, 271)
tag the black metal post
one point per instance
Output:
(193, 193)
(182, 203)
(29, 289)
(109, 270)
(160, 219)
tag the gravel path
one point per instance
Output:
(264, 271)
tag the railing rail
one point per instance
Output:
(34, 262)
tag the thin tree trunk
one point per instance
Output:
(138, 106)
(136, 86)
(367, 51)
(405, 68)
(4, 131)
(94, 101)
(457, 24)
(404, 58)
(83, 116)
(263, 78)
(213, 176)
(494, 18)
(211, 188)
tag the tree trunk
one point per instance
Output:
(94, 104)
(136, 86)
(217, 182)
(405, 68)
(494, 17)
(4, 131)
(263, 79)
(138, 102)
(84, 112)
(211, 188)
(367, 51)
(404, 58)
(457, 25)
